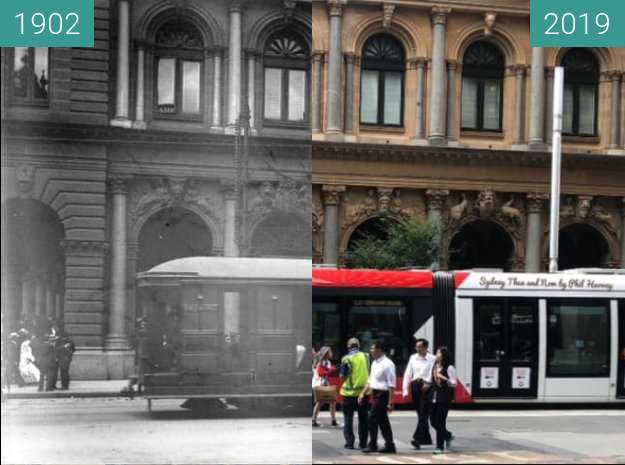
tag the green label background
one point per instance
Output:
(615, 9)
(10, 25)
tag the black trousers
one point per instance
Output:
(423, 407)
(378, 418)
(64, 369)
(439, 421)
(349, 407)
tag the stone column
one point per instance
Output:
(231, 246)
(234, 65)
(435, 203)
(451, 99)
(315, 100)
(350, 58)
(217, 91)
(519, 105)
(437, 105)
(537, 98)
(50, 310)
(420, 99)
(615, 109)
(331, 196)
(140, 97)
(123, 67)
(534, 233)
(251, 88)
(623, 232)
(40, 297)
(117, 337)
(335, 59)
(58, 308)
(28, 295)
(549, 72)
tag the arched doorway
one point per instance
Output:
(33, 266)
(373, 228)
(481, 244)
(172, 233)
(281, 235)
(582, 246)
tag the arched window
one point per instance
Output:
(382, 81)
(286, 58)
(581, 79)
(179, 54)
(30, 76)
(483, 68)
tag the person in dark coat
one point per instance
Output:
(45, 360)
(64, 350)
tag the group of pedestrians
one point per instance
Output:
(37, 358)
(368, 390)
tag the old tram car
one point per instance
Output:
(215, 327)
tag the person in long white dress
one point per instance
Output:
(30, 373)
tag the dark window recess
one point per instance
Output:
(29, 76)
(578, 338)
(581, 85)
(483, 69)
(382, 81)
(179, 53)
(286, 59)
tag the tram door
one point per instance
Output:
(505, 347)
(620, 387)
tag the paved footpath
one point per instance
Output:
(490, 437)
(99, 388)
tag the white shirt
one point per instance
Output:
(382, 376)
(418, 367)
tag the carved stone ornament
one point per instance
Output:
(317, 218)
(384, 199)
(511, 213)
(288, 8)
(170, 192)
(489, 22)
(377, 201)
(458, 211)
(335, 7)
(25, 175)
(439, 14)
(585, 208)
(387, 15)
(331, 194)
(485, 204)
(436, 198)
(535, 202)
(284, 196)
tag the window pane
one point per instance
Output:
(469, 103)
(382, 320)
(297, 95)
(567, 110)
(326, 325)
(578, 339)
(273, 93)
(190, 87)
(41, 73)
(490, 343)
(166, 85)
(20, 72)
(522, 332)
(587, 109)
(392, 98)
(369, 97)
(492, 96)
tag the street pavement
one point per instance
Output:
(118, 430)
(486, 436)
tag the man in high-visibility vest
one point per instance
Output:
(354, 373)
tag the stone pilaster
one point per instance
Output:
(615, 109)
(251, 87)
(234, 64)
(117, 337)
(315, 100)
(437, 104)
(331, 197)
(537, 99)
(420, 64)
(217, 89)
(139, 122)
(231, 245)
(519, 104)
(435, 203)
(549, 73)
(122, 94)
(533, 236)
(350, 58)
(334, 96)
(452, 66)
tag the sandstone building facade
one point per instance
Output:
(443, 110)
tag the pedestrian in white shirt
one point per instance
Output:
(381, 384)
(418, 382)
(444, 380)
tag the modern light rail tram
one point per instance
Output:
(515, 336)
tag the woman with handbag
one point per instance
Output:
(324, 392)
(444, 380)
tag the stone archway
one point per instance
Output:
(171, 233)
(33, 265)
(582, 246)
(375, 227)
(481, 244)
(281, 234)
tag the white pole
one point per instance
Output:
(556, 161)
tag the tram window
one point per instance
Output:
(382, 320)
(275, 310)
(578, 338)
(522, 333)
(491, 334)
(326, 325)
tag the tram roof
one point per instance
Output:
(232, 268)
